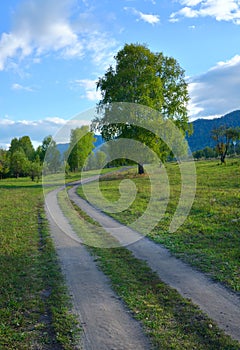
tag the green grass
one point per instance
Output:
(209, 239)
(34, 304)
(170, 321)
(61, 178)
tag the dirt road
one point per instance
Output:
(106, 323)
(219, 303)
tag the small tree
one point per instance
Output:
(223, 137)
(35, 169)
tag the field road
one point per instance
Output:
(106, 322)
(219, 303)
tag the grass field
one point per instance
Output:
(34, 304)
(170, 321)
(210, 237)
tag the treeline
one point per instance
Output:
(227, 143)
(21, 159)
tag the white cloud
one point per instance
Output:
(39, 129)
(6, 122)
(148, 18)
(55, 121)
(90, 89)
(17, 86)
(46, 26)
(216, 92)
(221, 10)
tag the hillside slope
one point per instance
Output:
(201, 137)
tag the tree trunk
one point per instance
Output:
(140, 169)
(223, 158)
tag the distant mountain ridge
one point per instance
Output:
(202, 128)
(200, 138)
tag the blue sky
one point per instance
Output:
(52, 52)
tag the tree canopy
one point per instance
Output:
(223, 137)
(81, 146)
(144, 78)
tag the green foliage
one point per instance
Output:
(4, 163)
(22, 144)
(35, 169)
(223, 136)
(26, 144)
(42, 149)
(19, 164)
(206, 153)
(81, 146)
(148, 79)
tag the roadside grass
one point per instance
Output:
(170, 321)
(209, 239)
(61, 178)
(34, 304)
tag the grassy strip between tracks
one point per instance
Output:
(209, 239)
(170, 321)
(34, 303)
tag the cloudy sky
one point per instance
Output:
(52, 52)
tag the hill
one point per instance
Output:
(201, 137)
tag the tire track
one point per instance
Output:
(219, 303)
(106, 322)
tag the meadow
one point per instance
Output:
(35, 309)
(209, 239)
(170, 321)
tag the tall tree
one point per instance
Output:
(81, 145)
(223, 137)
(19, 164)
(42, 149)
(26, 144)
(145, 78)
(14, 146)
(4, 163)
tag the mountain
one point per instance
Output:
(200, 138)
(202, 128)
(99, 141)
(62, 147)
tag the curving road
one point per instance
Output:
(106, 322)
(219, 303)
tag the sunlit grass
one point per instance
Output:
(170, 321)
(33, 299)
(210, 237)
